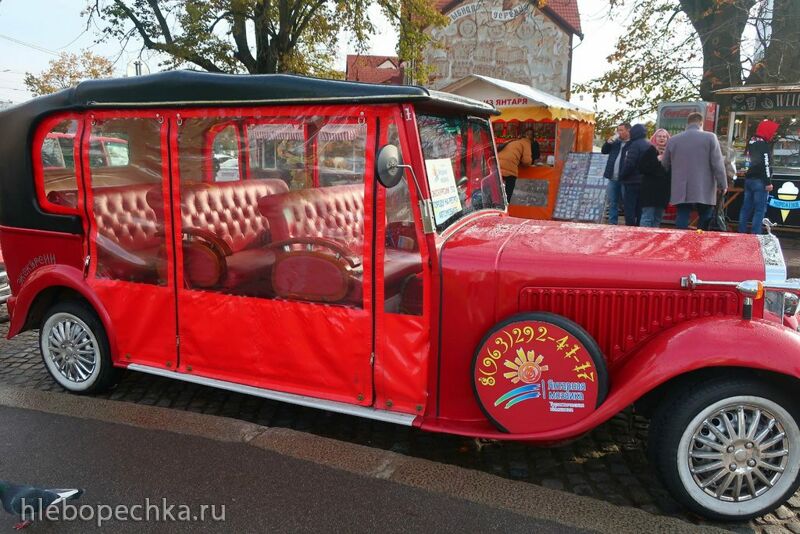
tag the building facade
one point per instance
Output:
(507, 39)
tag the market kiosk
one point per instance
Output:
(559, 126)
(746, 107)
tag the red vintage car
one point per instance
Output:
(346, 246)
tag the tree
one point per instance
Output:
(259, 36)
(66, 71)
(687, 49)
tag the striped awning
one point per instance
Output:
(294, 132)
(276, 132)
(342, 132)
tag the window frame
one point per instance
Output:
(208, 149)
(262, 119)
(42, 130)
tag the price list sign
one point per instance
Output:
(582, 192)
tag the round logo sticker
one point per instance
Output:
(533, 375)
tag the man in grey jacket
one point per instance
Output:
(698, 172)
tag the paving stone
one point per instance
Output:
(583, 489)
(552, 483)
(639, 496)
(651, 508)
(793, 526)
(784, 513)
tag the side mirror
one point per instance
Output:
(389, 167)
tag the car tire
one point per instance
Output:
(75, 349)
(727, 449)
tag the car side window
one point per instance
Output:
(225, 152)
(126, 171)
(292, 227)
(57, 165)
(402, 281)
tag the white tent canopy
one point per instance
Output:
(504, 94)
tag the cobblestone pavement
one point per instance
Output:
(610, 463)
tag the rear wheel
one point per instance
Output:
(75, 348)
(728, 449)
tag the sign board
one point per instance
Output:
(784, 101)
(531, 192)
(582, 193)
(444, 193)
(672, 115)
(783, 204)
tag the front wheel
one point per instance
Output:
(75, 349)
(728, 449)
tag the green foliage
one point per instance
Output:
(259, 36)
(678, 50)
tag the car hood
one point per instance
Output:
(561, 254)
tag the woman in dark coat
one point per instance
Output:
(655, 181)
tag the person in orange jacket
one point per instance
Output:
(518, 153)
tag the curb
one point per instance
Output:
(517, 497)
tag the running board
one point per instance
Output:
(302, 400)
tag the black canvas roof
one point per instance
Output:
(177, 89)
(194, 89)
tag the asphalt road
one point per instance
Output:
(262, 491)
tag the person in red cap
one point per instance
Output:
(758, 180)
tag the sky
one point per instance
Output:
(33, 32)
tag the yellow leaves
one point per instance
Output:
(67, 70)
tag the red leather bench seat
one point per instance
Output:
(332, 213)
(228, 212)
(129, 235)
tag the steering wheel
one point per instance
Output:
(340, 252)
(214, 247)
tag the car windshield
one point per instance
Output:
(461, 166)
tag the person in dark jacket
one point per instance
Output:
(655, 181)
(758, 180)
(615, 148)
(629, 174)
(536, 151)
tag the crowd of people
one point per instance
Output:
(690, 170)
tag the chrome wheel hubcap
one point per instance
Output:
(738, 453)
(71, 347)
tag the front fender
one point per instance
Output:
(56, 276)
(710, 342)
(693, 345)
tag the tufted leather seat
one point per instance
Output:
(129, 238)
(229, 210)
(334, 213)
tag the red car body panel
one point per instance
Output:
(491, 265)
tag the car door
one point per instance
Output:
(274, 267)
(130, 257)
